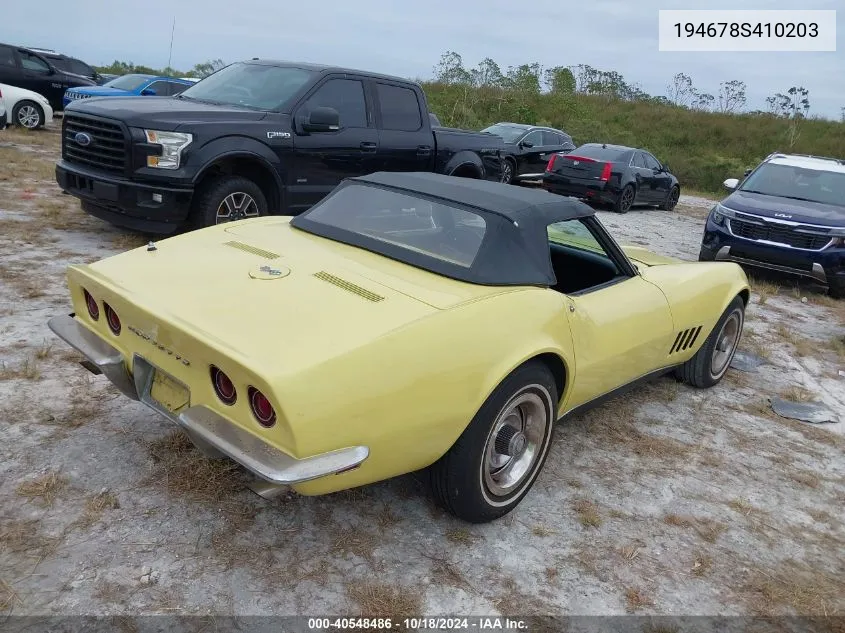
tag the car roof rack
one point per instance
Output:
(839, 161)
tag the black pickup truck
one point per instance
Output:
(256, 137)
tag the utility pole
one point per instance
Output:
(172, 31)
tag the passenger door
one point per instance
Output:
(322, 159)
(406, 143)
(660, 180)
(36, 75)
(621, 329)
(644, 177)
(528, 157)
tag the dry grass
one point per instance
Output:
(679, 521)
(25, 284)
(806, 478)
(25, 537)
(707, 529)
(542, 530)
(186, 472)
(8, 597)
(763, 289)
(382, 600)
(701, 565)
(791, 588)
(357, 542)
(797, 393)
(44, 488)
(128, 241)
(636, 599)
(461, 536)
(26, 370)
(95, 507)
(588, 513)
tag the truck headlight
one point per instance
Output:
(172, 144)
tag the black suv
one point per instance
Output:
(24, 68)
(70, 65)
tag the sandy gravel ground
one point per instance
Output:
(672, 501)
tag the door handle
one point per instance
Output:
(424, 150)
(369, 147)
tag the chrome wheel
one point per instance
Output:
(516, 442)
(507, 171)
(29, 116)
(237, 206)
(726, 343)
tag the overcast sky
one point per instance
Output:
(407, 37)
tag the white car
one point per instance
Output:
(25, 107)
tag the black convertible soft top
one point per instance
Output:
(515, 247)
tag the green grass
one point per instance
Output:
(702, 148)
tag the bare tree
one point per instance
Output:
(793, 106)
(731, 96)
(680, 91)
(702, 101)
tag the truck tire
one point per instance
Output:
(228, 199)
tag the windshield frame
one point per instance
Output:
(309, 77)
(747, 185)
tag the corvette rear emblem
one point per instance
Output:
(576, 162)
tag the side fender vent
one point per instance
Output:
(685, 340)
(348, 286)
(252, 249)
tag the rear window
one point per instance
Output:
(415, 224)
(600, 153)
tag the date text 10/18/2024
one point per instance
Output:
(420, 624)
(747, 30)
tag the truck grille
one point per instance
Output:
(106, 150)
(780, 233)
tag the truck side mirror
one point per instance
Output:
(322, 119)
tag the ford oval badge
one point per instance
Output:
(82, 139)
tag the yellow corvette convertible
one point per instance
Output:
(407, 321)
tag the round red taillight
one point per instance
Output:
(91, 302)
(261, 408)
(223, 386)
(112, 319)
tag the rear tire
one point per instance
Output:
(625, 200)
(28, 114)
(227, 199)
(496, 460)
(712, 360)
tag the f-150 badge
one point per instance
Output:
(278, 134)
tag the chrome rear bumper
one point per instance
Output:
(817, 271)
(211, 432)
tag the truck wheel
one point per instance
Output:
(28, 114)
(228, 199)
(497, 458)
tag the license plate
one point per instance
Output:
(168, 392)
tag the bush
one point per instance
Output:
(702, 148)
